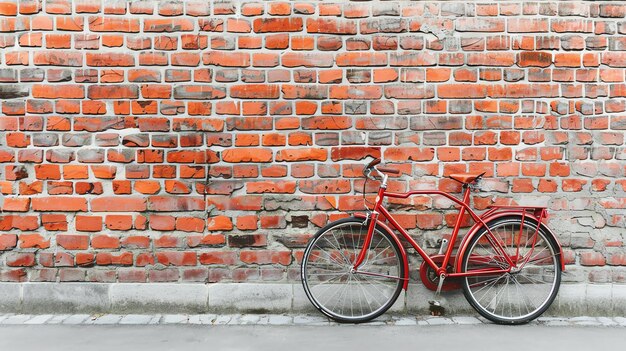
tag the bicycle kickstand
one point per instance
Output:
(435, 306)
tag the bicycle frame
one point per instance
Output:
(538, 214)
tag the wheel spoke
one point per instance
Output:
(495, 298)
(331, 260)
(338, 247)
(525, 298)
(380, 298)
(484, 282)
(489, 287)
(374, 258)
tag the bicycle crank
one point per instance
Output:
(430, 279)
(435, 306)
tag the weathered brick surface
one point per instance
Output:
(160, 141)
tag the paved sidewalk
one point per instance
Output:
(280, 319)
(304, 333)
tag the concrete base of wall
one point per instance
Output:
(39, 298)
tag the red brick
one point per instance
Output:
(135, 241)
(113, 92)
(119, 222)
(190, 224)
(247, 155)
(169, 203)
(218, 223)
(362, 59)
(85, 259)
(308, 154)
(409, 153)
(168, 25)
(59, 204)
(105, 242)
(110, 60)
(284, 187)
(108, 258)
(331, 26)
(206, 240)
(117, 204)
(592, 258)
(8, 9)
(221, 258)
(88, 223)
(54, 222)
(461, 91)
(7, 241)
(247, 222)
(266, 257)
(113, 24)
(255, 91)
(25, 259)
(72, 242)
(287, 24)
(177, 258)
(301, 59)
(616, 259)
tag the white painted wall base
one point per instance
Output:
(36, 298)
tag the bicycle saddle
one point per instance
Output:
(465, 178)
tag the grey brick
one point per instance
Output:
(13, 91)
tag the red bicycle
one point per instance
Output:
(509, 263)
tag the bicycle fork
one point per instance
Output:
(371, 224)
(373, 219)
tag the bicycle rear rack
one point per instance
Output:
(539, 212)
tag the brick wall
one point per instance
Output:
(148, 141)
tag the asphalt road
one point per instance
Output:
(299, 338)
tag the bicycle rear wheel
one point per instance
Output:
(523, 294)
(331, 285)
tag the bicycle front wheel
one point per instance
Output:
(525, 292)
(330, 282)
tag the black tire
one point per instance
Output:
(520, 296)
(331, 287)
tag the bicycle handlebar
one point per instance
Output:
(380, 169)
(373, 163)
(388, 170)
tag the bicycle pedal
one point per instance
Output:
(435, 308)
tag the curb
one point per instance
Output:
(40, 298)
(283, 320)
